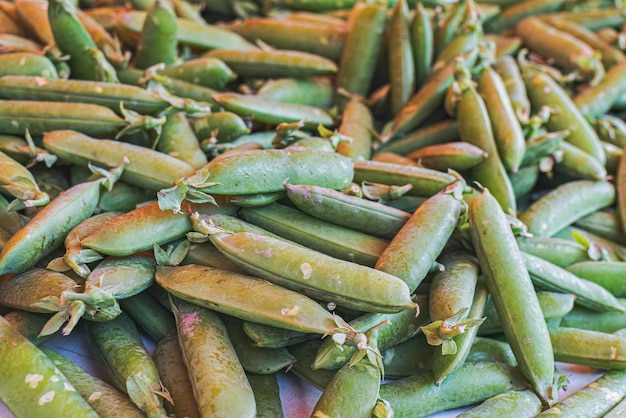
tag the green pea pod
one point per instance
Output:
(596, 398)
(404, 325)
(220, 126)
(258, 360)
(427, 99)
(457, 156)
(86, 62)
(107, 401)
(20, 183)
(315, 273)
(521, 403)
(259, 63)
(610, 55)
(288, 33)
(594, 19)
(314, 91)
(32, 386)
(575, 163)
(589, 294)
(450, 296)
(319, 235)
(353, 390)
(543, 90)
(408, 358)
(139, 229)
(118, 346)
(559, 251)
(48, 228)
(293, 311)
(446, 363)
(437, 133)
(422, 43)
(158, 40)
(27, 64)
(266, 394)
(425, 182)
(118, 278)
(274, 337)
(512, 290)
(511, 15)
(476, 128)
(205, 71)
(356, 123)
(565, 204)
(417, 396)
(220, 386)
(411, 252)
(128, 25)
(262, 110)
(401, 62)
(178, 140)
(361, 48)
(588, 348)
(151, 317)
(509, 71)
(168, 359)
(52, 288)
(261, 171)
(507, 132)
(607, 274)
(115, 96)
(146, 168)
(25, 151)
(604, 224)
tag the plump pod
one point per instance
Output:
(219, 382)
(513, 293)
(315, 274)
(31, 385)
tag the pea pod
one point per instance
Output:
(604, 224)
(220, 387)
(27, 64)
(19, 182)
(509, 71)
(328, 238)
(86, 61)
(257, 360)
(608, 274)
(158, 40)
(262, 171)
(262, 110)
(565, 204)
(588, 348)
(513, 294)
(314, 273)
(264, 303)
(559, 251)
(266, 394)
(356, 123)
(104, 399)
(314, 37)
(274, 337)
(140, 229)
(32, 385)
(118, 346)
(52, 287)
(543, 90)
(48, 228)
(111, 95)
(17, 116)
(457, 156)
(29, 324)
(146, 168)
(410, 253)
(521, 403)
(417, 396)
(360, 50)
(205, 71)
(274, 63)
(168, 359)
(425, 182)
(596, 398)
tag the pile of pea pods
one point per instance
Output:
(412, 206)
